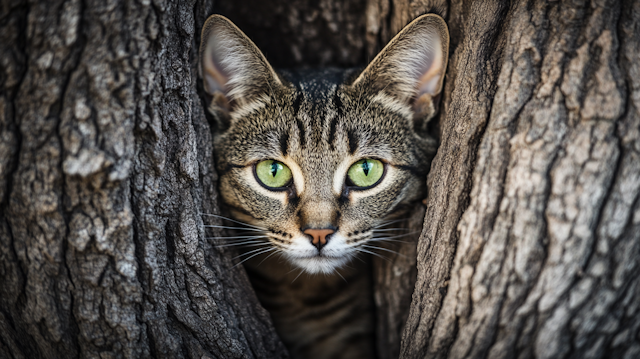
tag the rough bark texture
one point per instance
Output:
(105, 167)
(395, 274)
(530, 245)
(533, 216)
(298, 33)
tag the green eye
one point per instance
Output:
(366, 173)
(273, 174)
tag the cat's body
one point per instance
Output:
(317, 315)
(316, 162)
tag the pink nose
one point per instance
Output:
(319, 236)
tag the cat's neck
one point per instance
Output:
(307, 308)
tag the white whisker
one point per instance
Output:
(386, 223)
(236, 237)
(375, 254)
(256, 254)
(267, 257)
(401, 235)
(294, 279)
(348, 266)
(338, 273)
(232, 220)
(385, 239)
(226, 227)
(247, 253)
(390, 229)
(251, 243)
(385, 249)
(292, 269)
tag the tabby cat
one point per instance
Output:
(314, 162)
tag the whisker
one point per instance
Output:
(386, 223)
(400, 235)
(227, 227)
(263, 251)
(375, 254)
(251, 243)
(385, 249)
(235, 237)
(338, 273)
(247, 253)
(393, 220)
(384, 239)
(292, 269)
(390, 239)
(299, 274)
(390, 229)
(232, 220)
(348, 266)
(267, 257)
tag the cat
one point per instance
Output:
(314, 163)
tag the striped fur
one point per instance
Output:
(318, 123)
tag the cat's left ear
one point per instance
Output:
(234, 71)
(410, 69)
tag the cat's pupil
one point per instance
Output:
(274, 169)
(366, 166)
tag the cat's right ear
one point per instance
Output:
(235, 73)
(410, 70)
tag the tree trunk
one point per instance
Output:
(106, 166)
(530, 245)
(533, 218)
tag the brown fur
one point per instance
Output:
(319, 123)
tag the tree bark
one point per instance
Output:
(533, 217)
(530, 245)
(106, 166)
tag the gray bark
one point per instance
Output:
(530, 245)
(298, 33)
(106, 166)
(533, 216)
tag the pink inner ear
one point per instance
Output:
(214, 78)
(429, 82)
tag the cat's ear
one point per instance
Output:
(234, 71)
(410, 69)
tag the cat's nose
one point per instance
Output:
(320, 236)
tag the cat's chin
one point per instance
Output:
(320, 264)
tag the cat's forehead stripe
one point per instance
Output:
(337, 104)
(323, 118)
(317, 106)
(302, 134)
(284, 143)
(353, 141)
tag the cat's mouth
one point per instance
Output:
(320, 263)
(303, 254)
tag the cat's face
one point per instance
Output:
(317, 160)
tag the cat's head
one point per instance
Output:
(319, 159)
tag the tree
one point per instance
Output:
(106, 167)
(531, 239)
